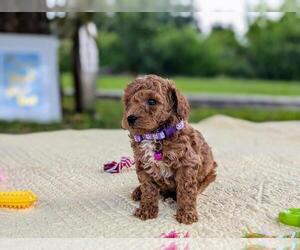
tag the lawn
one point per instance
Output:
(220, 85)
(109, 113)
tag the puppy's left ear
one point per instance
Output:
(181, 105)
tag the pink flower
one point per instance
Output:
(172, 246)
(174, 234)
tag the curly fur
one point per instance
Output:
(187, 167)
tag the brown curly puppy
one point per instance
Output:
(179, 163)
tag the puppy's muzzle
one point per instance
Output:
(131, 120)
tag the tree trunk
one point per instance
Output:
(77, 69)
(85, 66)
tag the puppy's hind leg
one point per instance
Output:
(212, 175)
(136, 194)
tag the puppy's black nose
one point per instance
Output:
(131, 119)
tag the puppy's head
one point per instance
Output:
(150, 102)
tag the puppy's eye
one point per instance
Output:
(151, 102)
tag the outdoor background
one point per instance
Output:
(256, 54)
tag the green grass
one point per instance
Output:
(110, 114)
(218, 85)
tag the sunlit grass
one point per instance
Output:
(220, 85)
(110, 114)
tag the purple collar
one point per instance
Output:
(162, 134)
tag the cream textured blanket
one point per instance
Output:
(258, 175)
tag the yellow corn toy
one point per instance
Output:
(17, 199)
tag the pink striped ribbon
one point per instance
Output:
(114, 167)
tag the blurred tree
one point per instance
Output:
(168, 43)
(165, 43)
(290, 6)
(228, 54)
(274, 47)
(132, 35)
(182, 51)
(111, 52)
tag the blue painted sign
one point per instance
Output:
(28, 79)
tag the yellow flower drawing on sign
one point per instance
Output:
(19, 90)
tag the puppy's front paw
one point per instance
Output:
(145, 213)
(187, 216)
